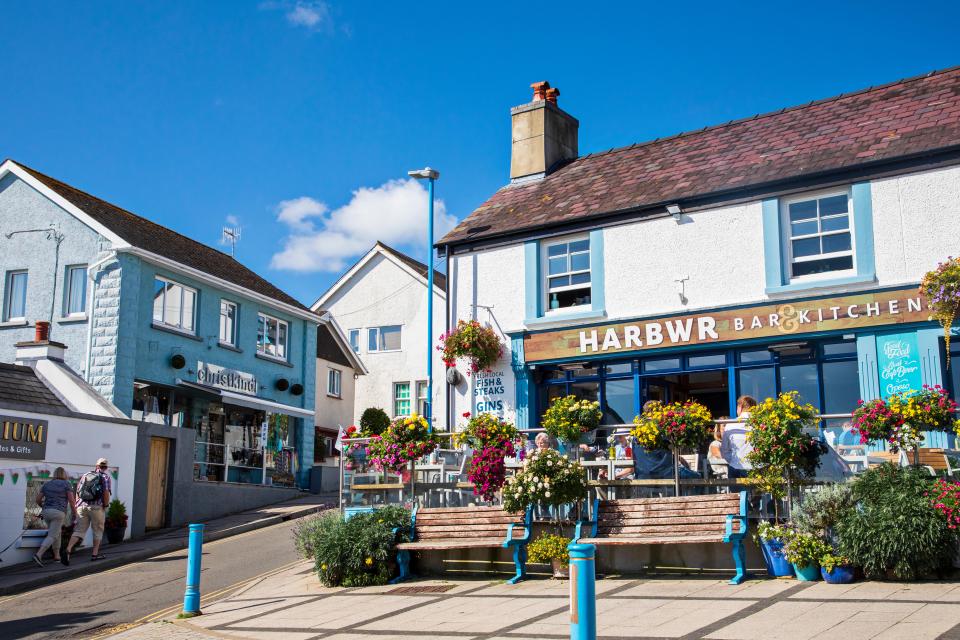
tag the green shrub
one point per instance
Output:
(894, 528)
(374, 421)
(804, 549)
(821, 511)
(351, 553)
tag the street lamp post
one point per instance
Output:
(430, 175)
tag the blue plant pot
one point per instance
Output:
(809, 573)
(777, 565)
(839, 575)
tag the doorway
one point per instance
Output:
(157, 483)
(709, 388)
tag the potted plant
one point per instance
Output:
(804, 551)
(115, 522)
(549, 547)
(546, 478)
(567, 419)
(772, 538)
(835, 568)
(405, 440)
(492, 439)
(479, 344)
(941, 287)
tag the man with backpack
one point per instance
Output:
(93, 495)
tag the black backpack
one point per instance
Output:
(91, 488)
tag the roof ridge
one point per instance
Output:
(768, 114)
(404, 256)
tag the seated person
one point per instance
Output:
(624, 451)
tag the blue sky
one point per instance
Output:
(299, 120)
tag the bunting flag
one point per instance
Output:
(1, 479)
(15, 476)
(115, 473)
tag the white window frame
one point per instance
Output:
(68, 291)
(266, 319)
(350, 335)
(193, 312)
(8, 295)
(231, 340)
(787, 237)
(397, 399)
(422, 399)
(545, 274)
(334, 382)
(379, 334)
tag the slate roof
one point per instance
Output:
(150, 236)
(901, 119)
(328, 348)
(20, 386)
(439, 279)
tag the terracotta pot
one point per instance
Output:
(560, 570)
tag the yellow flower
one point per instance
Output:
(323, 567)
(368, 562)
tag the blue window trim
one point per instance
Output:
(533, 280)
(776, 269)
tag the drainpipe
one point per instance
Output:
(91, 270)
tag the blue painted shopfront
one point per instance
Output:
(830, 370)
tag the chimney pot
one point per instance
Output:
(540, 90)
(42, 331)
(551, 94)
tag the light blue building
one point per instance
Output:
(175, 333)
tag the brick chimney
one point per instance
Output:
(42, 348)
(544, 135)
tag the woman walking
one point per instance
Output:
(56, 499)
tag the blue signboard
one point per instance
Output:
(898, 363)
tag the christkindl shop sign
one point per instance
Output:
(223, 378)
(783, 319)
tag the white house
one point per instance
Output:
(50, 417)
(381, 305)
(779, 252)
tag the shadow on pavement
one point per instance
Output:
(51, 626)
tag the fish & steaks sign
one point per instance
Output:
(780, 320)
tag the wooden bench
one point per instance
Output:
(720, 517)
(437, 529)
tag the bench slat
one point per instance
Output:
(477, 510)
(606, 521)
(686, 529)
(712, 497)
(469, 543)
(666, 515)
(652, 540)
(461, 533)
(467, 520)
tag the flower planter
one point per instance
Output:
(560, 570)
(114, 534)
(839, 575)
(809, 573)
(777, 565)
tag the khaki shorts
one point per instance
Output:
(89, 517)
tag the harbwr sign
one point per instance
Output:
(772, 320)
(23, 438)
(229, 379)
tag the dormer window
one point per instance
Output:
(567, 273)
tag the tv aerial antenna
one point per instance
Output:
(231, 236)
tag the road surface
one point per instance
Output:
(90, 606)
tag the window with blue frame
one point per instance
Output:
(564, 277)
(818, 234)
(567, 273)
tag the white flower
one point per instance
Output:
(546, 495)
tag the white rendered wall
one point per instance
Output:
(74, 444)
(333, 412)
(383, 293)
(720, 251)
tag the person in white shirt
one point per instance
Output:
(734, 446)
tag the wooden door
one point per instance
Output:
(157, 483)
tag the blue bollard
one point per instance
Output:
(583, 592)
(191, 596)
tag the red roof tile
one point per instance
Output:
(904, 118)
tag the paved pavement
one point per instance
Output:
(91, 605)
(292, 605)
(25, 576)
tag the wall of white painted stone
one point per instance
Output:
(383, 293)
(720, 251)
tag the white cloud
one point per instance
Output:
(324, 240)
(310, 14)
(233, 221)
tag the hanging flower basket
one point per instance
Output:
(546, 478)
(567, 418)
(405, 440)
(941, 287)
(492, 439)
(480, 345)
(685, 425)
(901, 419)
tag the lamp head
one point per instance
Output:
(424, 174)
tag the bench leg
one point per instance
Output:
(740, 559)
(520, 560)
(403, 561)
